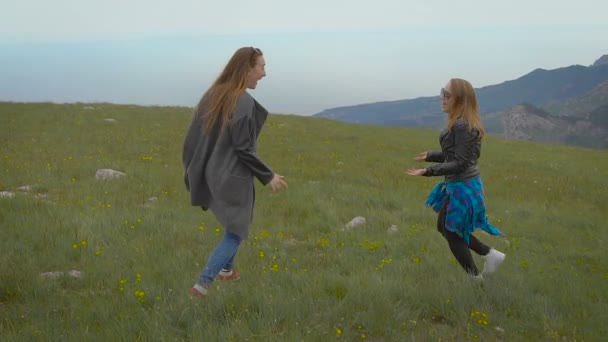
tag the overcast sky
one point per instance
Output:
(319, 54)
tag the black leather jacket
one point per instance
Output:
(460, 150)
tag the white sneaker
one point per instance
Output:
(493, 260)
(198, 291)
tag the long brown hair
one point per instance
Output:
(219, 101)
(465, 105)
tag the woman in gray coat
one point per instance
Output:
(220, 159)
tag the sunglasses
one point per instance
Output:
(256, 51)
(444, 94)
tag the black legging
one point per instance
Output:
(457, 244)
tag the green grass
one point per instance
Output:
(303, 276)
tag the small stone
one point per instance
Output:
(6, 194)
(58, 274)
(151, 202)
(105, 174)
(357, 221)
(75, 274)
(290, 242)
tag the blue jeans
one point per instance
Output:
(221, 258)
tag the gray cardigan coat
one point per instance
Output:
(220, 166)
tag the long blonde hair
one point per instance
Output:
(465, 105)
(219, 101)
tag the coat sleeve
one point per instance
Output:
(435, 157)
(192, 137)
(243, 135)
(464, 153)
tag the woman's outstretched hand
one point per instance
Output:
(422, 156)
(416, 172)
(277, 183)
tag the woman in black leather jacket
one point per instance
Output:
(458, 200)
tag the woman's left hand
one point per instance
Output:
(416, 172)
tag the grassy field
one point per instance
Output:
(303, 277)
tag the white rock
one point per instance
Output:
(58, 274)
(151, 202)
(108, 174)
(75, 274)
(109, 120)
(6, 194)
(392, 229)
(290, 242)
(25, 188)
(88, 108)
(357, 221)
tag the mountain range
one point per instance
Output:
(568, 105)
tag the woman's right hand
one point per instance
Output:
(277, 183)
(422, 156)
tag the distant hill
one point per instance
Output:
(580, 106)
(569, 91)
(526, 122)
(601, 61)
